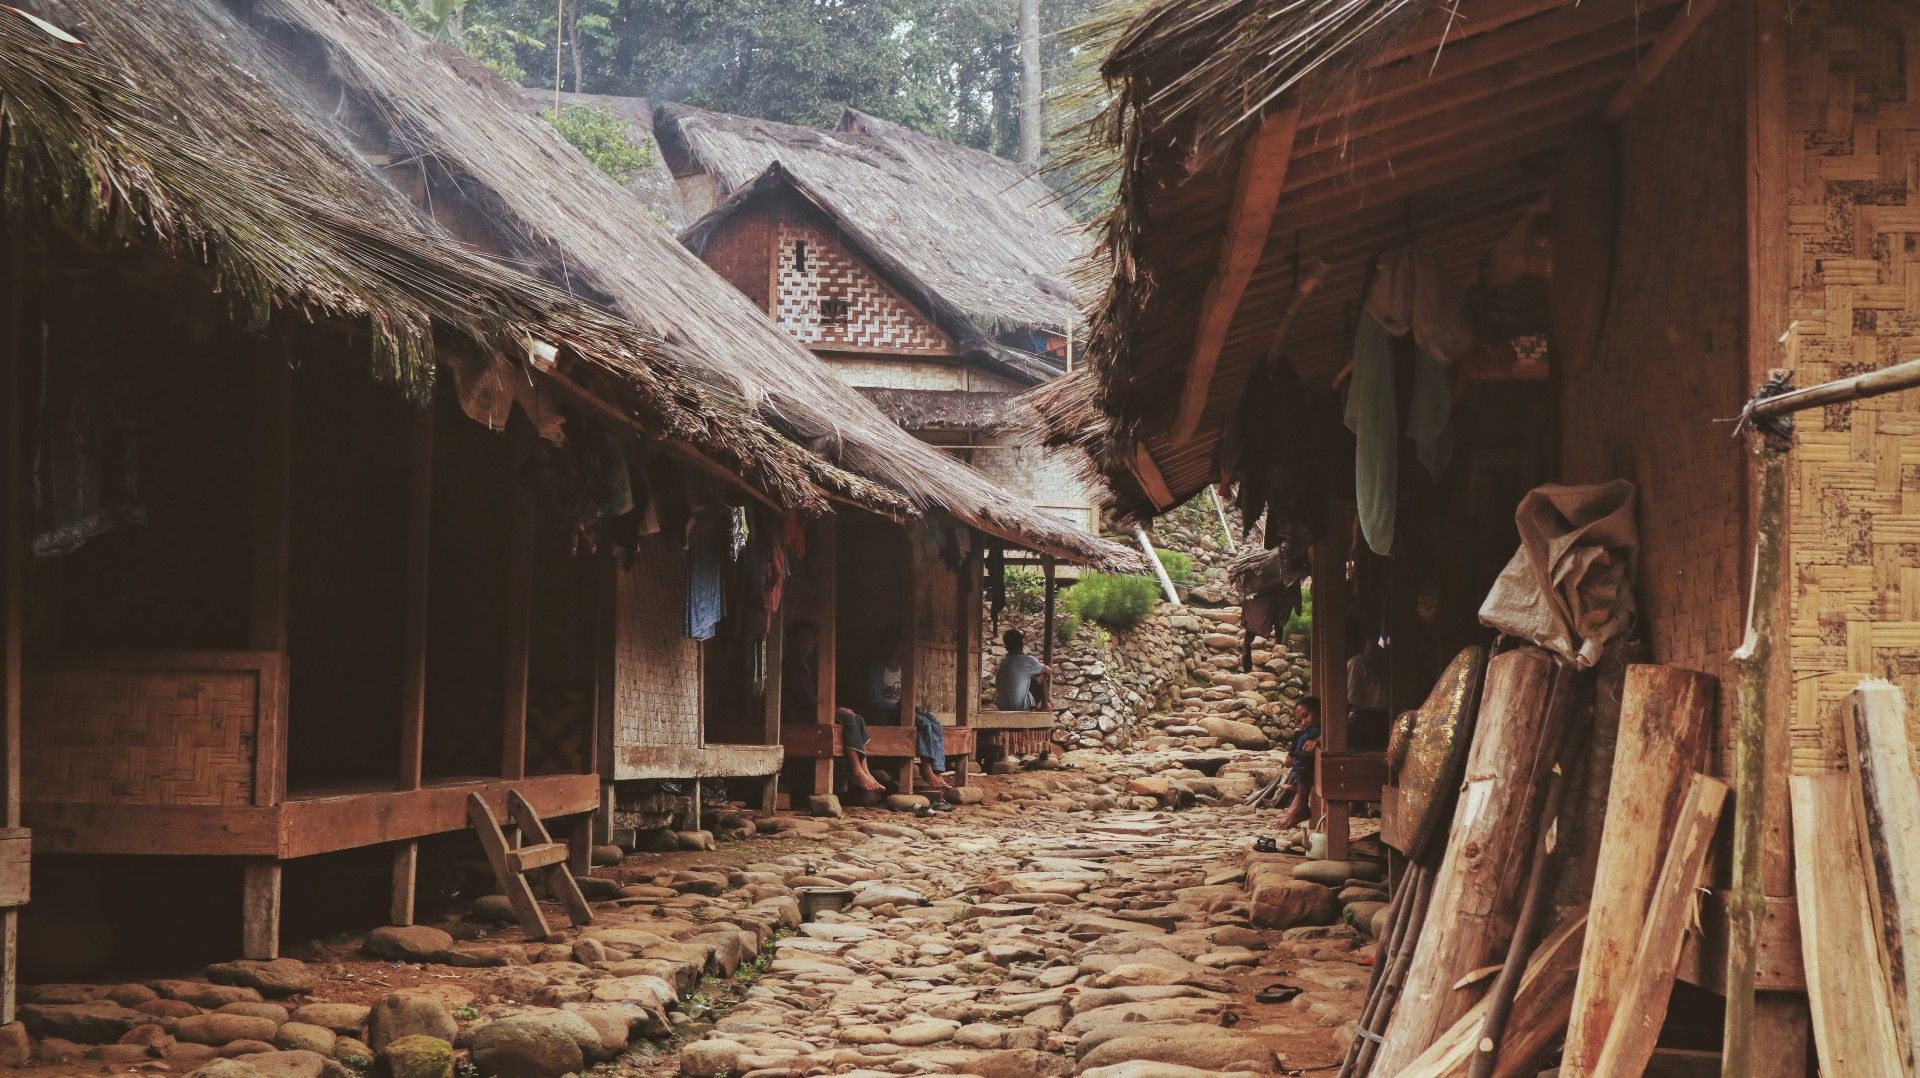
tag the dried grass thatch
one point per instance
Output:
(579, 227)
(228, 176)
(959, 227)
(1183, 82)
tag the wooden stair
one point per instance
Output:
(512, 864)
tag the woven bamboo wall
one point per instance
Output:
(937, 599)
(828, 299)
(176, 734)
(657, 670)
(1672, 355)
(1853, 259)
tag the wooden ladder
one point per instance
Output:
(511, 864)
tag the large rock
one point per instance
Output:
(1207, 1048)
(408, 943)
(219, 1029)
(201, 994)
(278, 977)
(1151, 1069)
(85, 1023)
(1336, 873)
(418, 1057)
(291, 1065)
(301, 1037)
(526, 1046)
(712, 1058)
(1280, 901)
(16, 1050)
(407, 1013)
(346, 1019)
(1243, 735)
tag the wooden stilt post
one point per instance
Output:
(13, 569)
(260, 909)
(966, 676)
(1046, 634)
(1328, 561)
(909, 644)
(520, 542)
(826, 582)
(605, 636)
(413, 675)
(776, 659)
(406, 882)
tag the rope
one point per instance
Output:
(1777, 430)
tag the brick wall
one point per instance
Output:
(741, 250)
(827, 298)
(1672, 355)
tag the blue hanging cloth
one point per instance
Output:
(707, 557)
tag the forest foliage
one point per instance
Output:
(949, 68)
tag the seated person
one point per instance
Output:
(1300, 774)
(883, 702)
(1367, 698)
(800, 697)
(1022, 681)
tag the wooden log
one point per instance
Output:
(1475, 902)
(1887, 797)
(406, 882)
(1847, 988)
(1665, 714)
(260, 909)
(1642, 1006)
(1540, 1008)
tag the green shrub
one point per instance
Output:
(1113, 600)
(1066, 626)
(1026, 590)
(1179, 567)
(602, 138)
(1302, 622)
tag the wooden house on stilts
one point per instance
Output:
(348, 479)
(1386, 267)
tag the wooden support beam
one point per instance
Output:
(771, 682)
(1692, 14)
(272, 504)
(516, 666)
(1665, 715)
(1887, 800)
(824, 557)
(260, 909)
(1327, 560)
(1047, 611)
(14, 525)
(1152, 482)
(1262, 173)
(413, 669)
(406, 882)
(909, 641)
(971, 586)
(1649, 985)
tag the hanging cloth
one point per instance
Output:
(707, 542)
(1371, 416)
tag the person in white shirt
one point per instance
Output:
(1022, 681)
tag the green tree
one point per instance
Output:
(602, 138)
(492, 42)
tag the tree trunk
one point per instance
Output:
(573, 47)
(1030, 135)
(1475, 900)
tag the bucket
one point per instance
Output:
(816, 900)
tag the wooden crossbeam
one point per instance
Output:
(1152, 483)
(1655, 61)
(1262, 173)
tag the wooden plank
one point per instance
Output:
(1540, 1009)
(698, 761)
(1665, 715)
(557, 874)
(260, 910)
(206, 830)
(1642, 1006)
(1048, 609)
(891, 742)
(413, 668)
(544, 855)
(1475, 902)
(269, 575)
(308, 826)
(1778, 970)
(1887, 801)
(966, 678)
(1847, 988)
(823, 552)
(811, 740)
(909, 654)
(1013, 720)
(1351, 776)
(518, 646)
(494, 842)
(1328, 560)
(1665, 48)
(1260, 177)
(776, 658)
(406, 883)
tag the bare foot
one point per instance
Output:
(867, 782)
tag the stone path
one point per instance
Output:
(1095, 919)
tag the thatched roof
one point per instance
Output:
(652, 183)
(1282, 135)
(167, 130)
(962, 228)
(556, 212)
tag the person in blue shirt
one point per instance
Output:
(883, 703)
(1022, 681)
(1306, 745)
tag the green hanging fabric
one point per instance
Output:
(1371, 416)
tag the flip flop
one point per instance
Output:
(1266, 844)
(1276, 993)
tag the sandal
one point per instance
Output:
(1276, 993)
(1265, 844)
